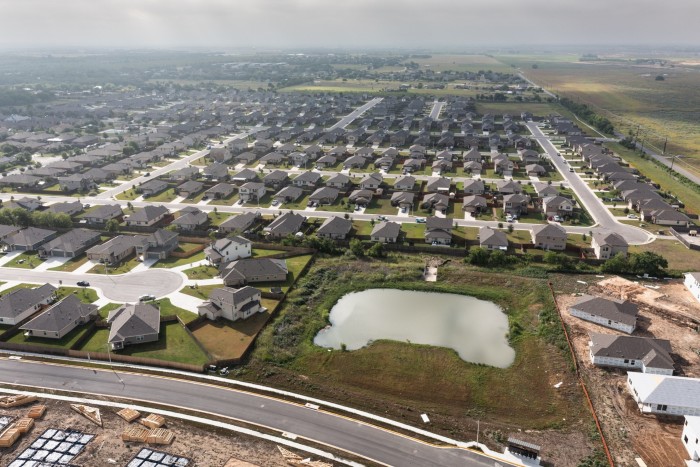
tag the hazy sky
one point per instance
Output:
(345, 23)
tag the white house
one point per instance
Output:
(663, 394)
(228, 249)
(611, 313)
(691, 437)
(692, 283)
(634, 353)
(232, 304)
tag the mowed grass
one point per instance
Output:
(25, 260)
(680, 259)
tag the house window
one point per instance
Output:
(661, 407)
(139, 338)
(633, 362)
(627, 360)
(685, 439)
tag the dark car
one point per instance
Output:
(83, 283)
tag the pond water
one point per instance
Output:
(476, 329)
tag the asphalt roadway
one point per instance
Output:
(349, 118)
(354, 436)
(119, 287)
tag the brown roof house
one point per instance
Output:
(232, 304)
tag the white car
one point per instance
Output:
(632, 216)
(275, 202)
(558, 219)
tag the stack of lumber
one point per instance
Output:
(153, 421)
(24, 424)
(135, 433)
(295, 459)
(9, 436)
(160, 436)
(36, 411)
(91, 413)
(129, 415)
(14, 401)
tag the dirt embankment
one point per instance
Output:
(666, 312)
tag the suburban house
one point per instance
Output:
(8, 231)
(635, 353)
(361, 197)
(403, 199)
(219, 191)
(70, 244)
(248, 270)
(29, 239)
(251, 192)
(386, 232)
(691, 437)
(289, 194)
(335, 228)
(473, 187)
(412, 165)
(218, 172)
(614, 314)
(239, 223)
(20, 304)
(151, 187)
(114, 250)
(231, 304)
(186, 173)
(548, 237)
(147, 215)
(535, 170)
(340, 181)
(404, 182)
(474, 204)
(191, 218)
(557, 206)
(307, 180)
(508, 187)
(492, 239)
(438, 184)
(544, 190)
(189, 188)
(103, 214)
(133, 323)
(663, 394)
(60, 318)
(473, 168)
(371, 181)
(473, 155)
(438, 230)
(286, 224)
(228, 249)
(608, 244)
(516, 204)
(324, 195)
(220, 154)
(324, 162)
(692, 283)
(276, 179)
(436, 201)
(66, 207)
(157, 245)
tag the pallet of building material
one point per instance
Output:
(135, 434)
(129, 415)
(36, 411)
(235, 462)
(9, 436)
(91, 413)
(153, 421)
(24, 424)
(15, 401)
(295, 459)
(160, 436)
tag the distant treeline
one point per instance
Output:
(586, 114)
(19, 97)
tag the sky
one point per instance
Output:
(285, 24)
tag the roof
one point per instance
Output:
(609, 238)
(617, 310)
(386, 230)
(153, 185)
(230, 296)
(148, 213)
(249, 267)
(131, 320)
(438, 183)
(106, 211)
(190, 186)
(30, 236)
(61, 315)
(72, 240)
(286, 223)
(550, 230)
(335, 225)
(221, 188)
(666, 390)
(192, 218)
(434, 222)
(309, 177)
(654, 353)
(489, 236)
(17, 301)
(241, 221)
(66, 207)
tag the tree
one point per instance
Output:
(647, 262)
(478, 256)
(112, 225)
(660, 78)
(376, 250)
(618, 264)
(357, 248)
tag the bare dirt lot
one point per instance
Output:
(204, 447)
(666, 312)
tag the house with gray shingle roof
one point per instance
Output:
(151, 187)
(615, 314)
(251, 270)
(133, 323)
(20, 304)
(219, 191)
(71, 244)
(60, 318)
(158, 245)
(386, 232)
(114, 250)
(191, 219)
(286, 224)
(29, 239)
(67, 207)
(663, 394)
(232, 304)
(239, 223)
(548, 237)
(335, 228)
(7, 231)
(102, 214)
(228, 249)
(608, 244)
(147, 215)
(492, 239)
(636, 353)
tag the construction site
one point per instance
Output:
(666, 311)
(47, 433)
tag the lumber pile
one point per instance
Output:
(15, 401)
(153, 421)
(129, 415)
(234, 462)
(135, 434)
(24, 424)
(160, 436)
(9, 436)
(91, 413)
(37, 411)
(296, 459)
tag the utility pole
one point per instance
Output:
(663, 153)
(477, 431)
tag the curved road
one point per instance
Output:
(119, 287)
(354, 436)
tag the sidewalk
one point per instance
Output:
(9, 257)
(85, 267)
(51, 263)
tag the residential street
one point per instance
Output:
(349, 118)
(344, 433)
(437, 108)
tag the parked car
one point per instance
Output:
(224, 371)
(632, 216)
(420, 220)
(147, 298)
(83, 284)
(275, 202)
(381, 218)
(147, 174)
(558, 219)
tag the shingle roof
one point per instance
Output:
(148, 213)
(654, 353)
(666, 390)
(131, 320)
(617, 310)
(61, 315)
(19, 300)
(72, 240)
(335, 225)
(386, 230)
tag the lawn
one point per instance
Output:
(72, 264)
(217, 218)
(381, 206)
(128, 195)
(173, 262)
(86, 295)
(163, 197)
(25, 260)
(202, 272)
(228, 201)
(259, 253)
(202, 291)
(66, 342)
(104, 311)
(680, 259)
(122, 268)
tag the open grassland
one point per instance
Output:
(631, 97)
(680, 259)
(454, 392)
(474, 63)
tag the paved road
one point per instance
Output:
(600, 213)
(349, 435)
(349, 118)
(437, 108)
(119, 288)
